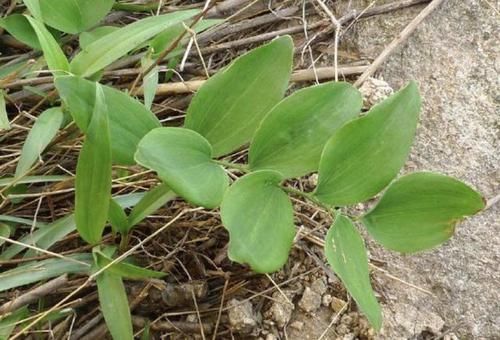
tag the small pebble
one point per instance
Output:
(326, 300)
(337, 304)
(241, 316)
(298, 325)
(310, 300)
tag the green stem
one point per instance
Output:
(124, 242)
(241, 167)
(308, 197)
(244, 169)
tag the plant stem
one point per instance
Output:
(244, 169)
(124, 242)
(308, 197)
(241, 167)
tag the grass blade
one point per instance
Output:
(42, 270)
(123, 269)
(4, 118)
(45, 128)
(109, 48)
(151, 202)
(54, 56)
(150, 81)
(114, 305)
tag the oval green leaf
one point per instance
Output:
(420, 211)
(229, 107)
(346, 254)
(292, 136)
(110, 47)
(20, 28)
(72, 16)
(93, 175)
(183, 159)
(41, 134)
(53, 54)
(259, 217)
(366, 154)
(129, 120)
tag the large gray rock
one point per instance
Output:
(455, 57)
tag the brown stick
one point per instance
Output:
(393, 6)
(169, 326)
(298, 76)
(261, 37)
(224, 6)
(172, 46)
(34, 294)
(397, 41)
(226, 29)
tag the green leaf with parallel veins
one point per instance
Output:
(4, 118)
(43, 270)
(152, 201)
(114, 305)
(366, 154)
(292, 136)
(54, 56)
(109, 48)
(150, 81)
(420, 210)
(168, 36)
(183, 159)
(129, 120)
(124, 269)
(34, 8)
(9, 322)
(117, 217)
(47, 235)
(72, 16)
(93, 175)
(41, 134)
(87, 38)
(346, 253)
(19, 27)
(229, 106)
(8, 181)
(4, 232)
(259, 217)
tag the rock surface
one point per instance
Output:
(455, 57)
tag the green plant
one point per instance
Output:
(316, 129)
